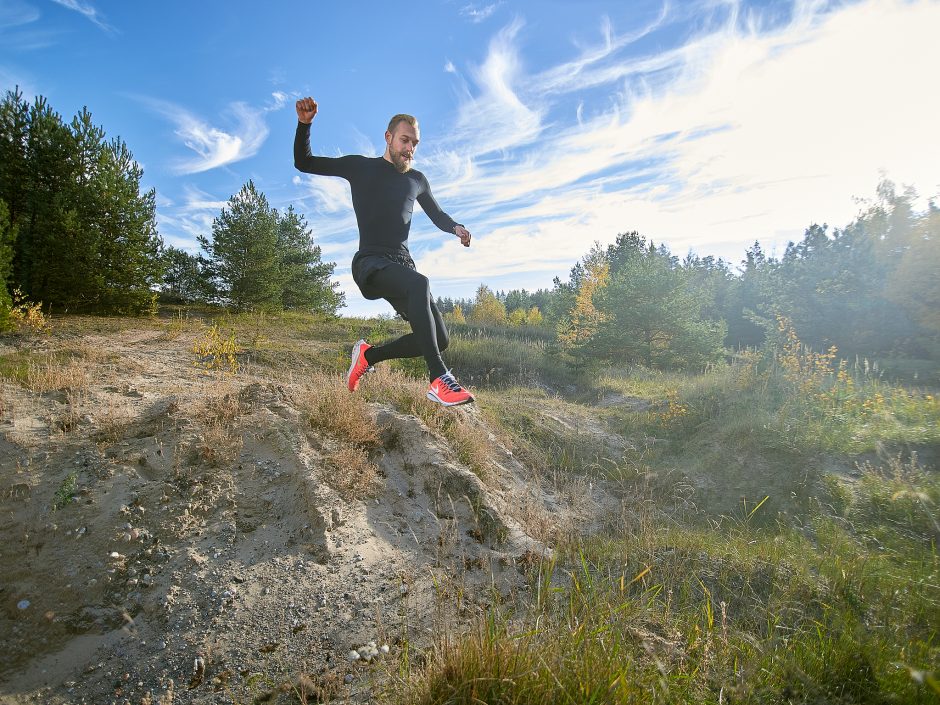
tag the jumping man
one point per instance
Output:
(384, 191)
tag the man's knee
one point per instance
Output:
(420, 285)
(443, 339)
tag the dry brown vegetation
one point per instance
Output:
(234, 537)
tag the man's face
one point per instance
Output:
(402, 145)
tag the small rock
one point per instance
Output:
(23, 604)
(353, 655)
(348, 679)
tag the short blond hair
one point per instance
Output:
(402, 117)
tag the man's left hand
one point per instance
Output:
(464, 235)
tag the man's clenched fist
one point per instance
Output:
(306, 110)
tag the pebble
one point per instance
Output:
(348, 679)
(23, 604)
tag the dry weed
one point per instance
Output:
(52, 374)
(219, 444)
(6, 407)
(68, 419)
(468, 438)
(346, 417)
(355, 476)
(111, 425)
(539, 521)
(219, 441)
(222, 407)
(90, 354)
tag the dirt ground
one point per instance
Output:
(171, 535)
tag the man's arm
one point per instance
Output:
(304, 160)
(440, 218)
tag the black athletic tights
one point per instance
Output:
(410, 293)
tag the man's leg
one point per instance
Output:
(410, 291)
(407, 345)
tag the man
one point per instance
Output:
(384, 190)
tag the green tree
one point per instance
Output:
(243, 252)
(653, 315)
(87, 237)
(304, 277)
(7, 237)
(915, 283)
(260, 259)
(184, 278)
(14, 138)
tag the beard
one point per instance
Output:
(399, 160)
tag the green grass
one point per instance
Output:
(14, 366)
(65, 493)
(661, 613)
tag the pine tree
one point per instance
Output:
(260, 259)
(7, 237)
(87, 236)
(304, 278)
(184, 278)
(652, 315)
(14, 136)
(243, 252)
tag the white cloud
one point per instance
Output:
(280, 100)
(329, 194)
(752, 130)
(213, 145)
(478, 14)
(20, 31)
(86, 9)
(14, 13)
(508, 120)
(181, 224)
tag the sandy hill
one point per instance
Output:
(172, 534)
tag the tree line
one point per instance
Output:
(78, 233)
(870, 289)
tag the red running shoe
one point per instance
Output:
(445, 390)
(359, 365)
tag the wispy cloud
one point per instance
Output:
(508, 120)
(478, 13)
(88, 10)
(244, 134)
(15, 13)
(180, 224)
(749, 130)
(754, 126)
(19, 29)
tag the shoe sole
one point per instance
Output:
(355, 358)
(433, 397)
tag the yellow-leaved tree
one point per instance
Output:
(580, 327)
(488, 310)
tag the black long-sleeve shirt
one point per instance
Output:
(382, 196)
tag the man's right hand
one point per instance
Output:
(306, 110)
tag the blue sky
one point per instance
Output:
(545, 125)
